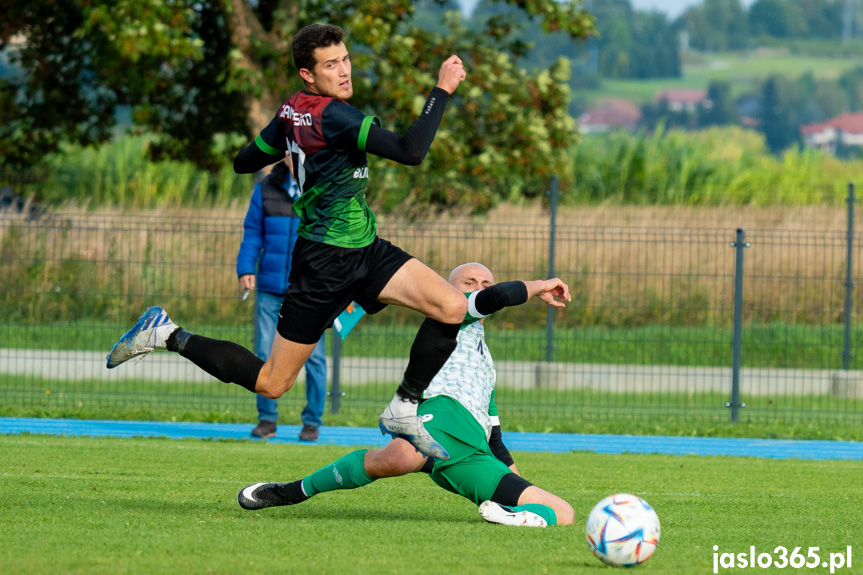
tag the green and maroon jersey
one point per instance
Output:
(327, 140)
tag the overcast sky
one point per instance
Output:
(671, 7)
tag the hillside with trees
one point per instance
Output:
(776, 67)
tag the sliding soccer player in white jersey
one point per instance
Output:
(459, 410)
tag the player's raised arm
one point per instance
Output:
(411, 148)
(507, 294)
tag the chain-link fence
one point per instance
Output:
(650, 331)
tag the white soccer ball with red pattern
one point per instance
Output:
(623, 530)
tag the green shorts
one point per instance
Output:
(472, 470)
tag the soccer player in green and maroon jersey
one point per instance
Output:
(460, 411)
(338, 257)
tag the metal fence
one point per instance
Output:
(663, 322)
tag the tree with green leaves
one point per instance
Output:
(797, 18)
(716, 25)
(721, 109)
(657, 51)
(632, 43)
(777, 18)
(77, 61)
(199, 72)
(778, 118)
(851, 83)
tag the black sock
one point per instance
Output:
(224, 360)
(290, 493)
(434, 343)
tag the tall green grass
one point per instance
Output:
(121, 174)
(718, 166)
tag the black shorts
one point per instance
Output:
(325, 279)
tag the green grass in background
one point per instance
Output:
(743, 70)
(78, 505)
(777, 345)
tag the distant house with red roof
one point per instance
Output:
(845, 129)
(682, 99)
(611, 114)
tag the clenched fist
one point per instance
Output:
(451, 74)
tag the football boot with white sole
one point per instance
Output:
(503, 515)
(400, 419)
(151, 332)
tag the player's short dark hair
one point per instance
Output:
(311, 37)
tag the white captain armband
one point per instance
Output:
(472, 313)
(486, 301)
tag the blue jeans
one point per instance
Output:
(267, 307)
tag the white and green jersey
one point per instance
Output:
(468, 376)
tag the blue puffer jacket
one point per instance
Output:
(269, 232)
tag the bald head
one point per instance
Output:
(471, 277)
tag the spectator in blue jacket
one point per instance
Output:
(263, 265)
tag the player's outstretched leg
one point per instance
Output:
(150, 332)
(347, 472)
(224, 360)
(261, 495)
(515, 516)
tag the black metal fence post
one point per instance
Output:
(849, 283)
(549, 314)
(739, 244)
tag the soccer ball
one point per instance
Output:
(623, 530)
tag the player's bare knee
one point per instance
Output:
(455, 309)
(272, 389)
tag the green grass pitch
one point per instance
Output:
(84, 505)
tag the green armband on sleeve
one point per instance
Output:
(268, 149)
(364, 131)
